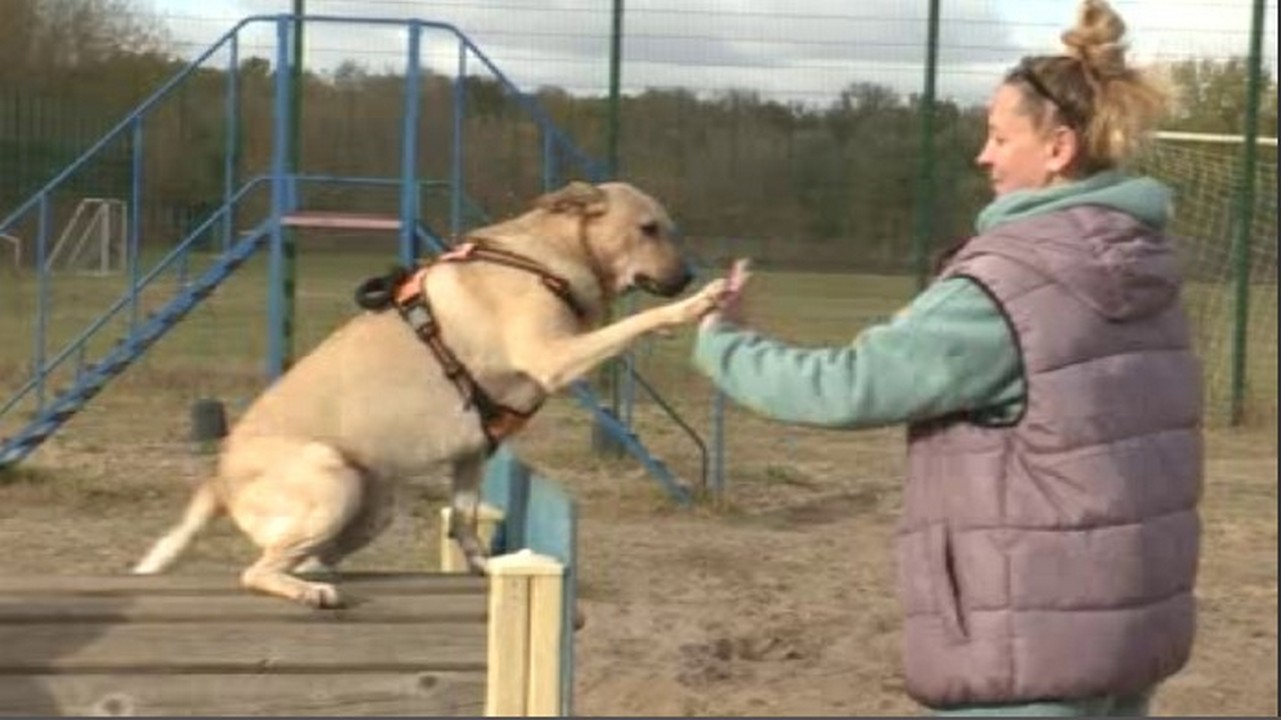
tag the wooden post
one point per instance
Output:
(525, 605)
(488, 520)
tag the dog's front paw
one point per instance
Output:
(693, 308)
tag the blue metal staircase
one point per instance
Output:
(89, 377)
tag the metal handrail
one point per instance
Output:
(127, 299)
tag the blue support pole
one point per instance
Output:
(549, 162)
(133, 260)
(569, 607)
(627, 381)
(42, 298)
(456, 172)
(279, 191)
(409, 150)
(231, 154)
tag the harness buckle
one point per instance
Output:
(422, 322)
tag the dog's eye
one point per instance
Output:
(650, 229)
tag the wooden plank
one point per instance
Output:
(222, 647)
(423, 694)
(545, 604)
(505, 690)
(366, 583)
(239, 607)
(341, 221)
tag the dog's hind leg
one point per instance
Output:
(294, 511)
(464, 518)
(377, 510)
(271, 575)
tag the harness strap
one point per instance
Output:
(559, 286)
(403, 290)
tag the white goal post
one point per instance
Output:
(93, 240)
(16, 244)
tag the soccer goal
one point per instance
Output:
(1205, 173)
(14, 244)
(93, 240)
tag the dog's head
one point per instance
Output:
(627, 235)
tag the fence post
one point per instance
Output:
(1245, 216)
(924, 225)
(278, 323)
(526, 598)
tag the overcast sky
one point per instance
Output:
(792, 50)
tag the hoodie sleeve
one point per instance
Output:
(950, 350)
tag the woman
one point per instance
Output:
(1049, 543)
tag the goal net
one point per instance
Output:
(1205, 173)
(93, 240)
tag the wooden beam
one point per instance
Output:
(488, 519)
(204, 585)
(525, 610)
(408, 644)
(234, 647)
(369, 694)
(239, 607)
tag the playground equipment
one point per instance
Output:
(64, 379)
(423, 644)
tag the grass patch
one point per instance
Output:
(20, 475)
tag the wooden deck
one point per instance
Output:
(197, 645)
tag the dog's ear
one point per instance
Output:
(577, 197)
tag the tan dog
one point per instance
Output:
(306, 472)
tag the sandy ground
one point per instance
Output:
(777, 600)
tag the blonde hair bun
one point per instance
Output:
(1096, 39)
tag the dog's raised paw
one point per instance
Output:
(704, 301)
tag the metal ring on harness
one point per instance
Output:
(377, 293)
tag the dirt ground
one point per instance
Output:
(777, 600)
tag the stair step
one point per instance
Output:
(341, 221)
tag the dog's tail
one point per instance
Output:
(202, 508)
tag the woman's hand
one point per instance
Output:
(729, 307)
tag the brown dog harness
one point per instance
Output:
(403, 289)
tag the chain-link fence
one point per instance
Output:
(797, 135)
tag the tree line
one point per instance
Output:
(800, 184)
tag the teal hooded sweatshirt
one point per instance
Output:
(950, 350)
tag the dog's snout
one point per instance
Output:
(685, 277)
(670, 286)
(676, 284)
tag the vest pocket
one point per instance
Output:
(942, 569)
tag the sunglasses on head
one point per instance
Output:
(1025, 73)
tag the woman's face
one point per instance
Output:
(1022, 153)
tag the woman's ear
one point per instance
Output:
(1064, 146)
